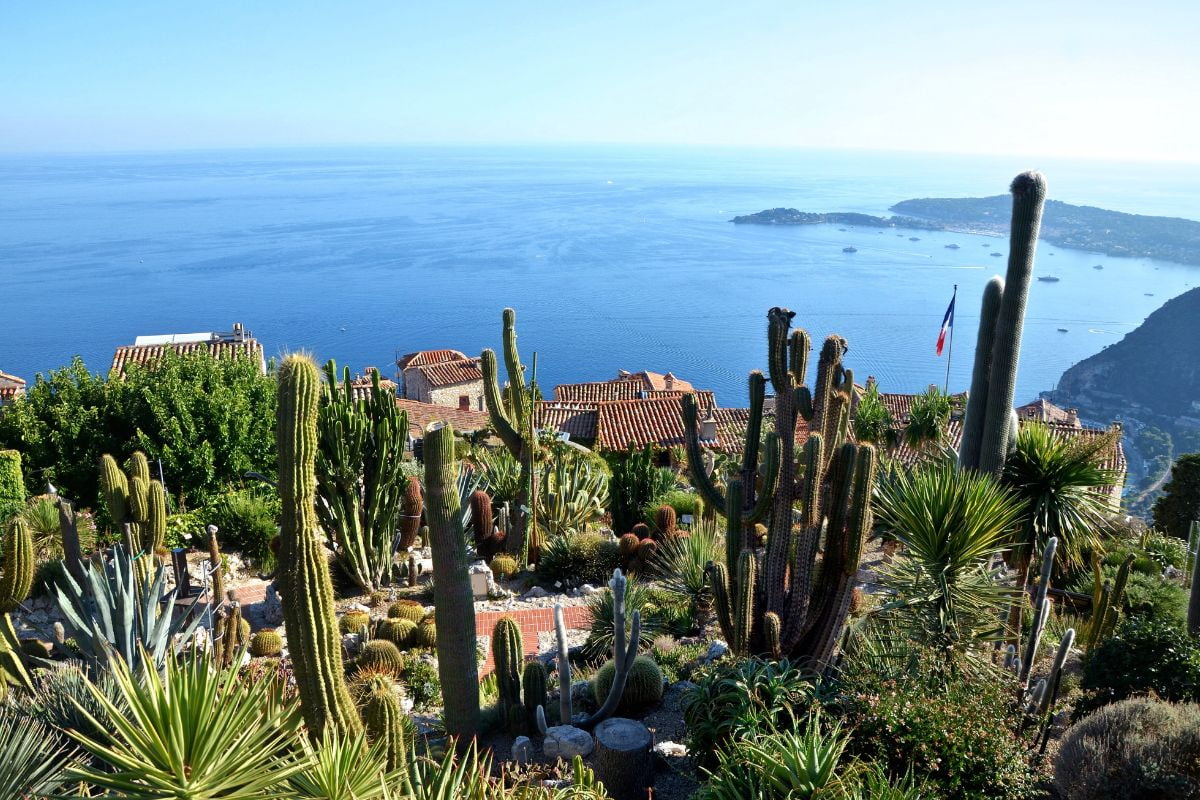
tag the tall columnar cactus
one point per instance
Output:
(135, 502)
(533, 690)
(988, 428)
(511, 414)
(360, 477)
(488, 540)
(1107, 599)
(15, 583)
(508, 653)
(1041, 606)
(410, 516)
(154, 529)
(216, 568)
(115, 488)
(809, 601)
(454, 603)
(305, 589)
(385, 720)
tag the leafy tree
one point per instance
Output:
(207, 420)
(1180, 503)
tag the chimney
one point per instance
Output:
(708, 427)
(669, 381)
(1073, 417)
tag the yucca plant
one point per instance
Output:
(681, 563)
(873, 422)
(1059, 483)
(501, 474)
(951, 525)
(341, 768)
(462, 777)
(117, 612)
(573, 496)
(33, 762)
(193, 732)
(927, 419)
(603, 611)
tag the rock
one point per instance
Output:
(522, 748)
(272, 609)
(716, 649)
(534, 593)
(581, 692)
(566, 742)
(587, 590)
(351, 643)
(671, 749)
(676, 694)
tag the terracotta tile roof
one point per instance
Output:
(900, 405)
(11, 387)
(420, 415)
(149, 355)
(1045, 411)
(361, 384)
(658, 421)
(423, 358)
(577, 419)
(655, 381)
(732, 424)
(596, 392)
(451, 373)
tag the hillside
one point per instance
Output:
(1156, 365)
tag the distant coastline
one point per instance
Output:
(1097, 230)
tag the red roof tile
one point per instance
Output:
(420, 415)
(451, 373)
(11, 387)
(658, 421)
(423, 358)
(577, 419)
(149, 355)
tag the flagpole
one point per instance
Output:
(950, 346)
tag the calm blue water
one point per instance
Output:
(614, 258)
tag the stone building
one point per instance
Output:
(443, 378)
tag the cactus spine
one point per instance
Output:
(533, 689)
(454, 603)
(216, 568)
(809, 605)
(305, 588)
(154, 530)
(15, 584)
(511, 415)
(508, 653)
(385, 721)
(988, 427)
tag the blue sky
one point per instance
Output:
(1094, 79)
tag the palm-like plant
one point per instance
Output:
(951, 524)
(501, 474)
(341, 768)
(1059, 483)
(872, 421)
(193, 732)
(680, 561)
(927, 419)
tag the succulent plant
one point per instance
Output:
(385, 721)
(354, 621)
(407, 609)
(266, 644)
(504, 565)
(399, 632)
(643, 687)
(380, 654)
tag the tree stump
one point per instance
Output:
(623, 760)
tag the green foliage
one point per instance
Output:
(678, 662)
(1167, 550)
(1133, 749)
(241, 742)
(247, 521)
(683, 501)
(636, 483)
(63, 699)
(34, 760)
(421, 683)
(742, 700)
(1145, 595)
(681, 561)
(578, 558)
(12, 484)
(1143, 655)
(951, 525)
(959, 736)
(928, 419)
(1180, 502)
(208, 420)
(186, 530)
(873, 422)
(572, 494)
(341, 767)
(643, 687)
(501, 474)
(602, 606)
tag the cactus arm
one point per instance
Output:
(770, 477)
(700, 478)
(718, 580)
(494, 401)
(564, 667)
(454, 606)
(623, 655)
(1029, 197)
(981, 373)
(518, 406)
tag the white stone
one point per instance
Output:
(715, 650)
(671, 749)
(587, 589)
(567, 741)
(351, 643)
(535, 592)
(522, 749)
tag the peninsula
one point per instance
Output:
(1113, 233)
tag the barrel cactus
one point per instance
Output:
(410, 513)
(266, 644)
(643, 687)
(410, 610)
(425, 634)
(665, 521)
(381, 655)
(504, 565)
(397, 631)
(354, 621)
(385, 721)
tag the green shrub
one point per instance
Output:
(682, 501)
(1146, 595)
(12, 484)
(187, 530)
(1143, 655)
(245, 522)
(958, 735)
(599, 642)
(421, 683)
(736, 700)
(1133, 749)
(679, 662)
(578, 558)
(1167, 550)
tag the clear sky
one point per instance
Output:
(1089, 78)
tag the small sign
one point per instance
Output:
(686, 519)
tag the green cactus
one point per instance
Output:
(229, 634)
(15, 583)
(665, 520)
(988, 428)
(266, 644)
(772, 633)
(504, 565)
(217, 568)
(138, 466)
(454, 602)
(410, 512)
(533, 689)
(481, 520)
(399, 632)
(1107, 602)
(353, 621)
(12, 484)
(305, 588)
(511, 415)
(115, 488)
(154, 530)
(425, 634)
(385, 721)
(380, 654)
(407, 609)
(810, 601)
(508, 654)
(643, 687)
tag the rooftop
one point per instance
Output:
(420, 415)
(451, 373)
(423, 358)
(11, 387)
(148, 350)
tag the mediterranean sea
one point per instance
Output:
(614, 257)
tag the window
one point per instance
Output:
(464, 402)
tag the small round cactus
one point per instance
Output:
(243, 632)
(353, 621)
(407, 609)
(398, 631)
(504, 565)
(665, 521)
(643, 688)
(425, 634)
(627, 545)
(266, 644)
(641, 530)
(380, 655)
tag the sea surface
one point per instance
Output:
(614, 257)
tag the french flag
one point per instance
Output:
(947, 324)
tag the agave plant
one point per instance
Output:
(341, 768)
(193, 732)
(573, 497)
(501, 474)
(33, 761)
(681, 563)
(453, 778)
(951, 524)
(927, 419)
(118, 612)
